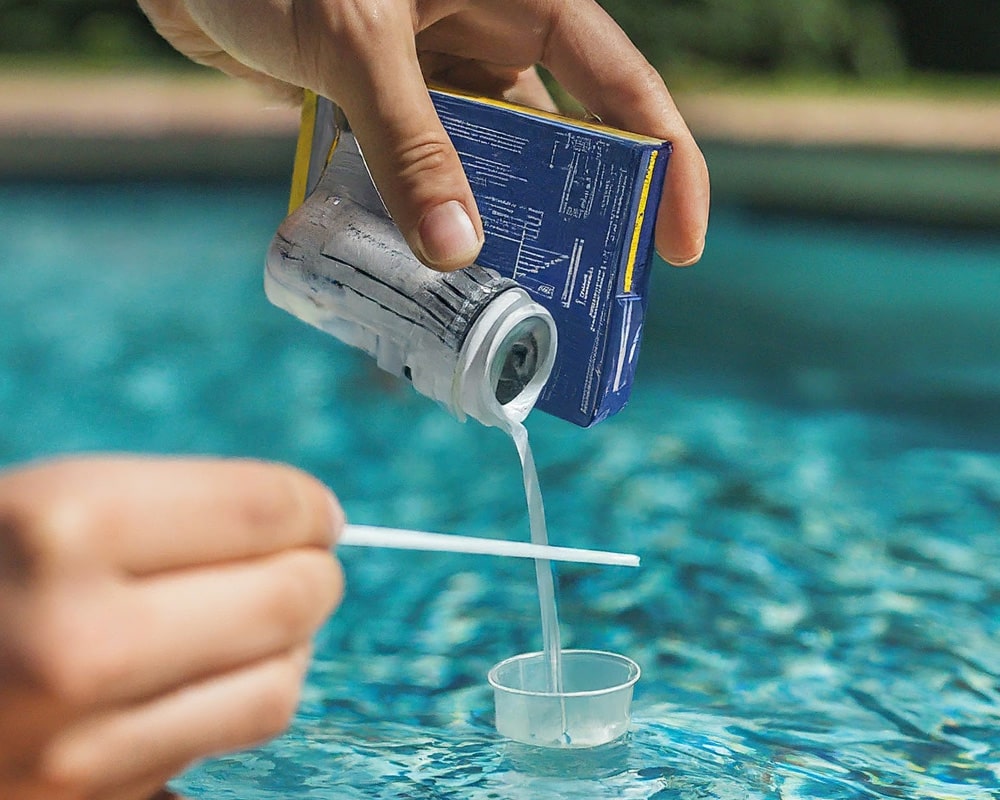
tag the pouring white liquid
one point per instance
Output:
(568, 699)
(478, 344)
(543, 568)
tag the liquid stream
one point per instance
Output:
(543, 567)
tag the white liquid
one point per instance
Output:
(543, 567)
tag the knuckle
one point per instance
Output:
(64, 678)
(338, 33)
(85, 681)
(635, 89)
(423, 154)
(361, 21)
(43, 520)
(70, 660)
(63, 775)
(63, 528)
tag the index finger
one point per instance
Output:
(146, 515)
(593, 58)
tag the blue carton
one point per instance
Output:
(569, 209)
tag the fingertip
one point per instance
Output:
(320, 510)
(338, 584)
(682, 220)
(680, 236)
(335, 516)
(685, 261)
(446, 237)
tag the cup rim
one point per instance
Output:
(634, 674)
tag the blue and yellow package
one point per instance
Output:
(569, 210)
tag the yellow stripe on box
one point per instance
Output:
(640, 217)
(303, 150)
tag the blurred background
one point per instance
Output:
(822, 76)
(865, 39)
(809, 464)
(854, 147)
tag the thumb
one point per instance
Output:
(412, 160)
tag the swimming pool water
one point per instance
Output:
(810, 473)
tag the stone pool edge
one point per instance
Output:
(919, 159)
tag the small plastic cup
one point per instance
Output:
(594, 708)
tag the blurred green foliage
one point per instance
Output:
(854, 37)
(93, 31)
(859, 38)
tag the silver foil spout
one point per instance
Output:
(339, 263)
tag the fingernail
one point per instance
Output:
(448, 239)
(686, 261)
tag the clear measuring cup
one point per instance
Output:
(594, 707)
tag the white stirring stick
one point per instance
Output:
(371, 536)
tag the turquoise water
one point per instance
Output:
(810, 469)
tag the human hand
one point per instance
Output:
(152, 612)
(371, 57)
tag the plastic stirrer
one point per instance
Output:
(371, 536)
